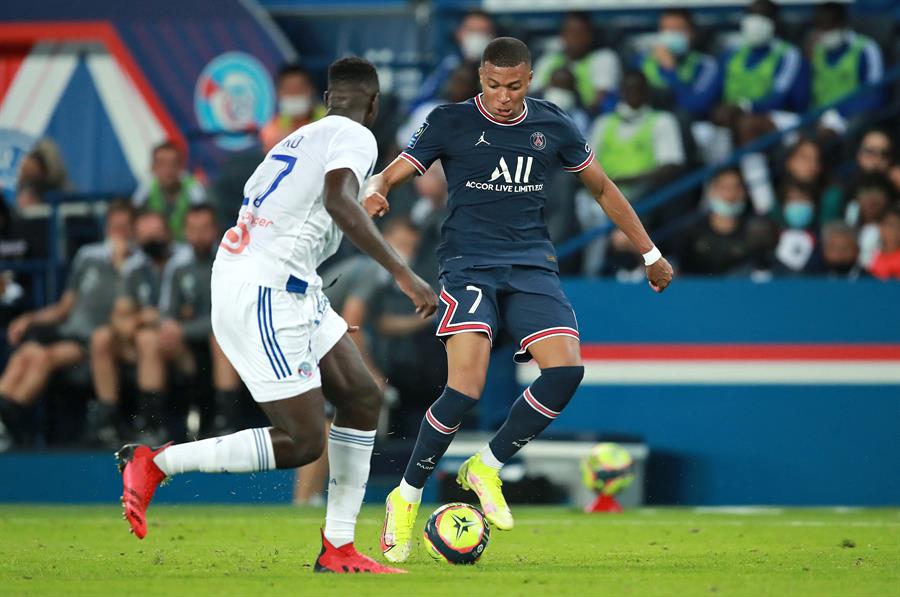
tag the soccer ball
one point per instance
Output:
(608, 469)
(457, 533)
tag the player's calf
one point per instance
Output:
(535, 409)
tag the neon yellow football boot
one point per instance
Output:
(399, 520)
(485, 481)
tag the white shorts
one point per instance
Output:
(274, 338)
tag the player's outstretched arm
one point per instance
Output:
(610, 198)
(379, 185)
(341, 192)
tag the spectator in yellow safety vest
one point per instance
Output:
(843, 62)
(676, 67)
(172, 190)
(596, 71)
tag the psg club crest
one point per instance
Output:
(538, 140)
(234, 93)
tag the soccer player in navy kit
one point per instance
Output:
(499, 268)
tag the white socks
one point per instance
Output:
(246, 451)
(489, 459)
(349, 453)
(409, 493)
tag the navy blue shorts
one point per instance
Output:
(527, 301)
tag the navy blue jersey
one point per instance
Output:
(496, 173)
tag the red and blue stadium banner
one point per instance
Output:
(781, 393)
(109, 80)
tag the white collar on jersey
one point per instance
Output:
(521, 117)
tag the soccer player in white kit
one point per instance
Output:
(277, 328)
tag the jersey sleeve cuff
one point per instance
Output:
(416, 163)
(582, 165)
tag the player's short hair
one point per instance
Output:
(506, 52)
(203, 208)
(120, 205)
(354, 72)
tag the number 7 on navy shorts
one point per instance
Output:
(528, 303)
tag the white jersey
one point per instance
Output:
(283, 232)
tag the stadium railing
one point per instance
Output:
(46, 269)
(695, 179)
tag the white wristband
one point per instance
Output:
(652, 256)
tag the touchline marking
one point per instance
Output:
(598, 521)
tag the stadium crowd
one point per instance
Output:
(130, 335)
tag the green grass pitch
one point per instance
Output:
(267, 551)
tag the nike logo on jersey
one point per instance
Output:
(481, 140)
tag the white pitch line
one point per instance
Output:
(598, 520)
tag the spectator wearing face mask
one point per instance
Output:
(639, 147)
(561, 91)
(765, 76)
(172, 190)
(55, 337)
(716, 244)
(185, 326)
(475, 32)
(764, 86)
(797, 242)
(461, 85)
(596, 71)
(843, 61)
(404, 342)
(297, 105)
(874, 196)
(886, 264)
(675, 65)
(840, 254)
(134, 322)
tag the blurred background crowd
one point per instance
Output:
(761, 148)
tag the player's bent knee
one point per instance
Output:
(566, 379)
(362, 398)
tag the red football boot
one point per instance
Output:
(346, 560)
(140, 478)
